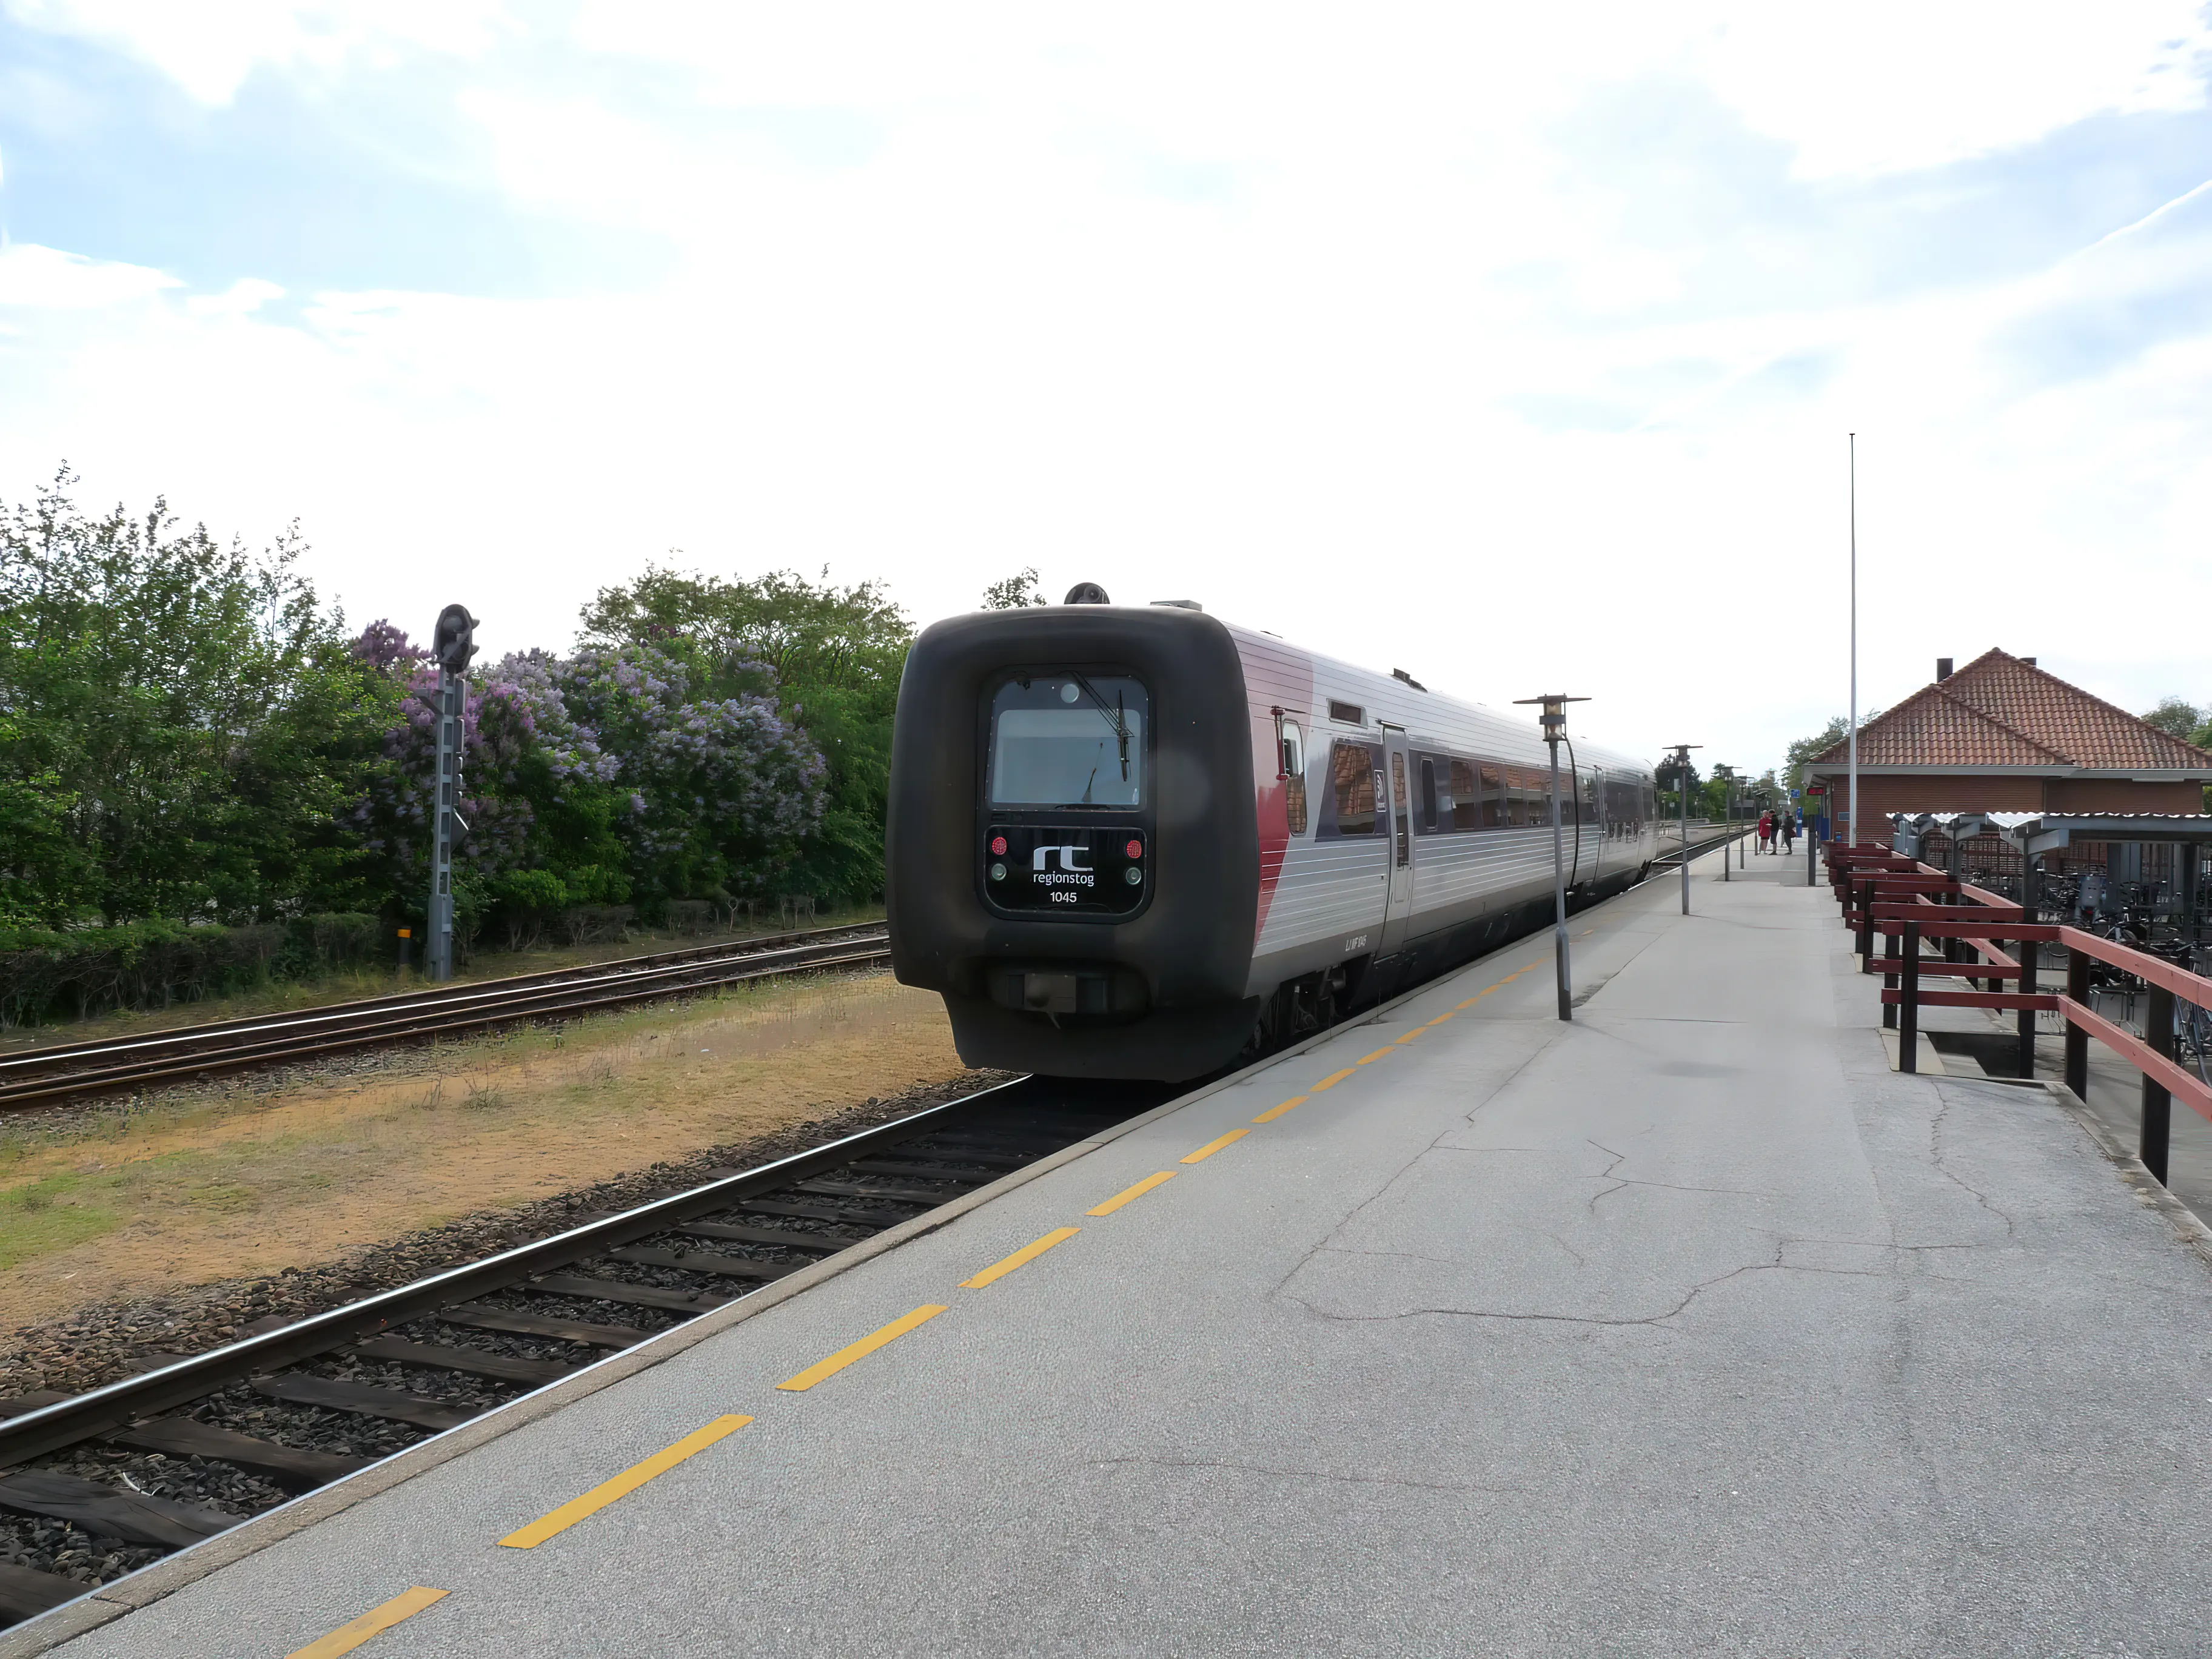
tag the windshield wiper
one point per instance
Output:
(1117, 717)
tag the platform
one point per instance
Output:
(1688, 1327)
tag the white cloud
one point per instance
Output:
(1889, 85)
(1339, 330)
(48, 279)
(241, 299)
(209, 48)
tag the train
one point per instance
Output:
(1141, 843)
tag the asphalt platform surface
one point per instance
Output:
(1688, 1327)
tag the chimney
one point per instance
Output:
(1942, 669)
(2030, 661)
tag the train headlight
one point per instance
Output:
(1132, 875)
(998, 872)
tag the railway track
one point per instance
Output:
(112, 1480)
(37, 1077)
(98, 1485)
(44, 1076)
(1701, 845)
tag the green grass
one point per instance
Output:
(41, 1217)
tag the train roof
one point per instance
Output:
(1446, 721)
(1407, 703)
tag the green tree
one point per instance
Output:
(1017, 592)
(180, 714)
(1803, 750)
(2178, 717)
(835, 655)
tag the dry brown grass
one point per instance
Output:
(200, 1188)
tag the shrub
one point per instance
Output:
(152, 965)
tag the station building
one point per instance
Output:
(2002, 735)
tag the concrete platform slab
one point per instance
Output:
(1688, 1327)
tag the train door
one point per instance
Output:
(1400, 841)
(1596, 826)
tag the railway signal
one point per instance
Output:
(1555, 727)
(453, 644)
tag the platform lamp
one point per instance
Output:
(1555, 727)
(1682, 800)
(1725, 774)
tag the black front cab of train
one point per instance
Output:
(1072, 857)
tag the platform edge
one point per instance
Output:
(108, 1603)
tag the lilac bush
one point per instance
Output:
(589, 780)
(719, 794)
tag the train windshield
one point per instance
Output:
(1068, 740)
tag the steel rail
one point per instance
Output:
(1699, 849)
(978, 1139)
(24, 1060)
(87, 1416)
(476, 1011)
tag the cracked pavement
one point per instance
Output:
(1687, 1329)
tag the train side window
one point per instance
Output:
(1428, 794)
(1294, 774)
(1466, 799)
(1493, 796)
(1351, 772)
(1528, 800)
(1350, 712)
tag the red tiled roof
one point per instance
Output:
(2000, 711)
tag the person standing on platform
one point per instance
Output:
(1789, 831)
(1765, 831)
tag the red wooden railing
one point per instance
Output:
(1907, 902)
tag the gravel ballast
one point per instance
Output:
(99, 1344)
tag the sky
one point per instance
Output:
(1513, 346)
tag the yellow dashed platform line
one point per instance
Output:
(1028, 1253)
(347, 1638)
(1330, 1081)
(825, 1368)
(1215, 1146)
(576, 1508)
(1274, 1112)
(1500, 986)
(1129, 1192)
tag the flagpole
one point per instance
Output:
(1855, 640)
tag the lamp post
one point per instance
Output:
(1555, 727)
(1725, 774)
(1682, 800)
(452, 645)
(1854, 841)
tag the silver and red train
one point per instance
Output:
(1137, 841)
